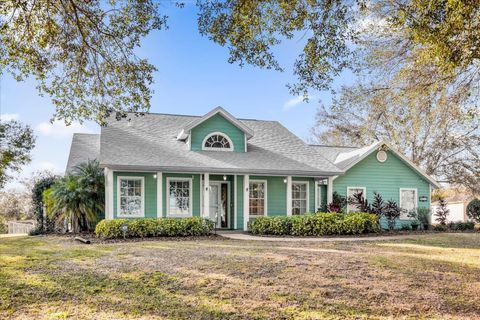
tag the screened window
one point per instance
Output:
(179, 197)
(351, 191)
(257, 192)
(130, 201)
(299, 197)
(408, 201)
(217, 141)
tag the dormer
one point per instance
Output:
(218, 130)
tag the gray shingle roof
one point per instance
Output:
(84, 147)
(149, 143)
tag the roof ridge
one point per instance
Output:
(330, 146)
(193, 116)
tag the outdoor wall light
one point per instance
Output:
(224, 177)
(284, 180)
(154, 176)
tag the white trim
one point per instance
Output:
(364, 193)
(206, 195)
(265, 197)
(235, 202)
(318, 196)
(330, 189)
(246, 201)
(142, 190)
(245, 141)
(159, 194)
(400, 201)
(307, 183)
(201, 194)
(219, 133)
(289, 195)
(190, 200)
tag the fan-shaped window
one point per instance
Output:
(217, 141)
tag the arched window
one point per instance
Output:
(217, 141)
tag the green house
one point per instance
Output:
(234, 170)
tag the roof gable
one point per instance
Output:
(347, 160)
(218, 110)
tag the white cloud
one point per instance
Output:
(9, 116)
(46, 165)
(59, 129)
(290, 104)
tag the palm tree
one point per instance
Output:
(78, 197)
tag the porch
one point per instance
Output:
(231, 200)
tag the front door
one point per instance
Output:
(219, 204)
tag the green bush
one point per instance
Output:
(440, 227)
(318, 224)
(473, 210)
(461, 226)
(152, 227)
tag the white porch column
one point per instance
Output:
(206, 195)
(330, 190)
(108, 194)
(289, 195)
(235, 202)
(246, 201)
(159, 194)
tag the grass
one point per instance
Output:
(434, 276)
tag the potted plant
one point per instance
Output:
(415, 223)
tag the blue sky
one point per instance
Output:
(193, 77)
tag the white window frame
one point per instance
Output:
(404, 215)
(308, 195)
(318, 192)
(265, 198)
(142, 190)
(167, 195)
(364, 194)
(217, 149)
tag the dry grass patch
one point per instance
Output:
(435, 276)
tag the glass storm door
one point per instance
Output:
(219, 204)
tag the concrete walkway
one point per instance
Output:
(249, 237)
(12, 235)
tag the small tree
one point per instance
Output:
(40, 184)
(378, 205)
(391, 212)
(338, 203)
(473, 210)
(359, 201)
(442, 211)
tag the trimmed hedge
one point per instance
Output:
(152, 227)
(319, 224)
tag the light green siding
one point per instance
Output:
(195, 191)
(384, 178)
(217, 123)
(150, 196)
(240, 202)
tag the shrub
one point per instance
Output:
(406, 227)
(461, 226)
(424, 217)
(440, 227)
(391, 212)
(473, 210)
(318, 224)
(442, 211)
(152, 227)
(338, 203)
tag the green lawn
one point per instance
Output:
(436, 276)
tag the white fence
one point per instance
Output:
(457, 212)
(16, 227)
